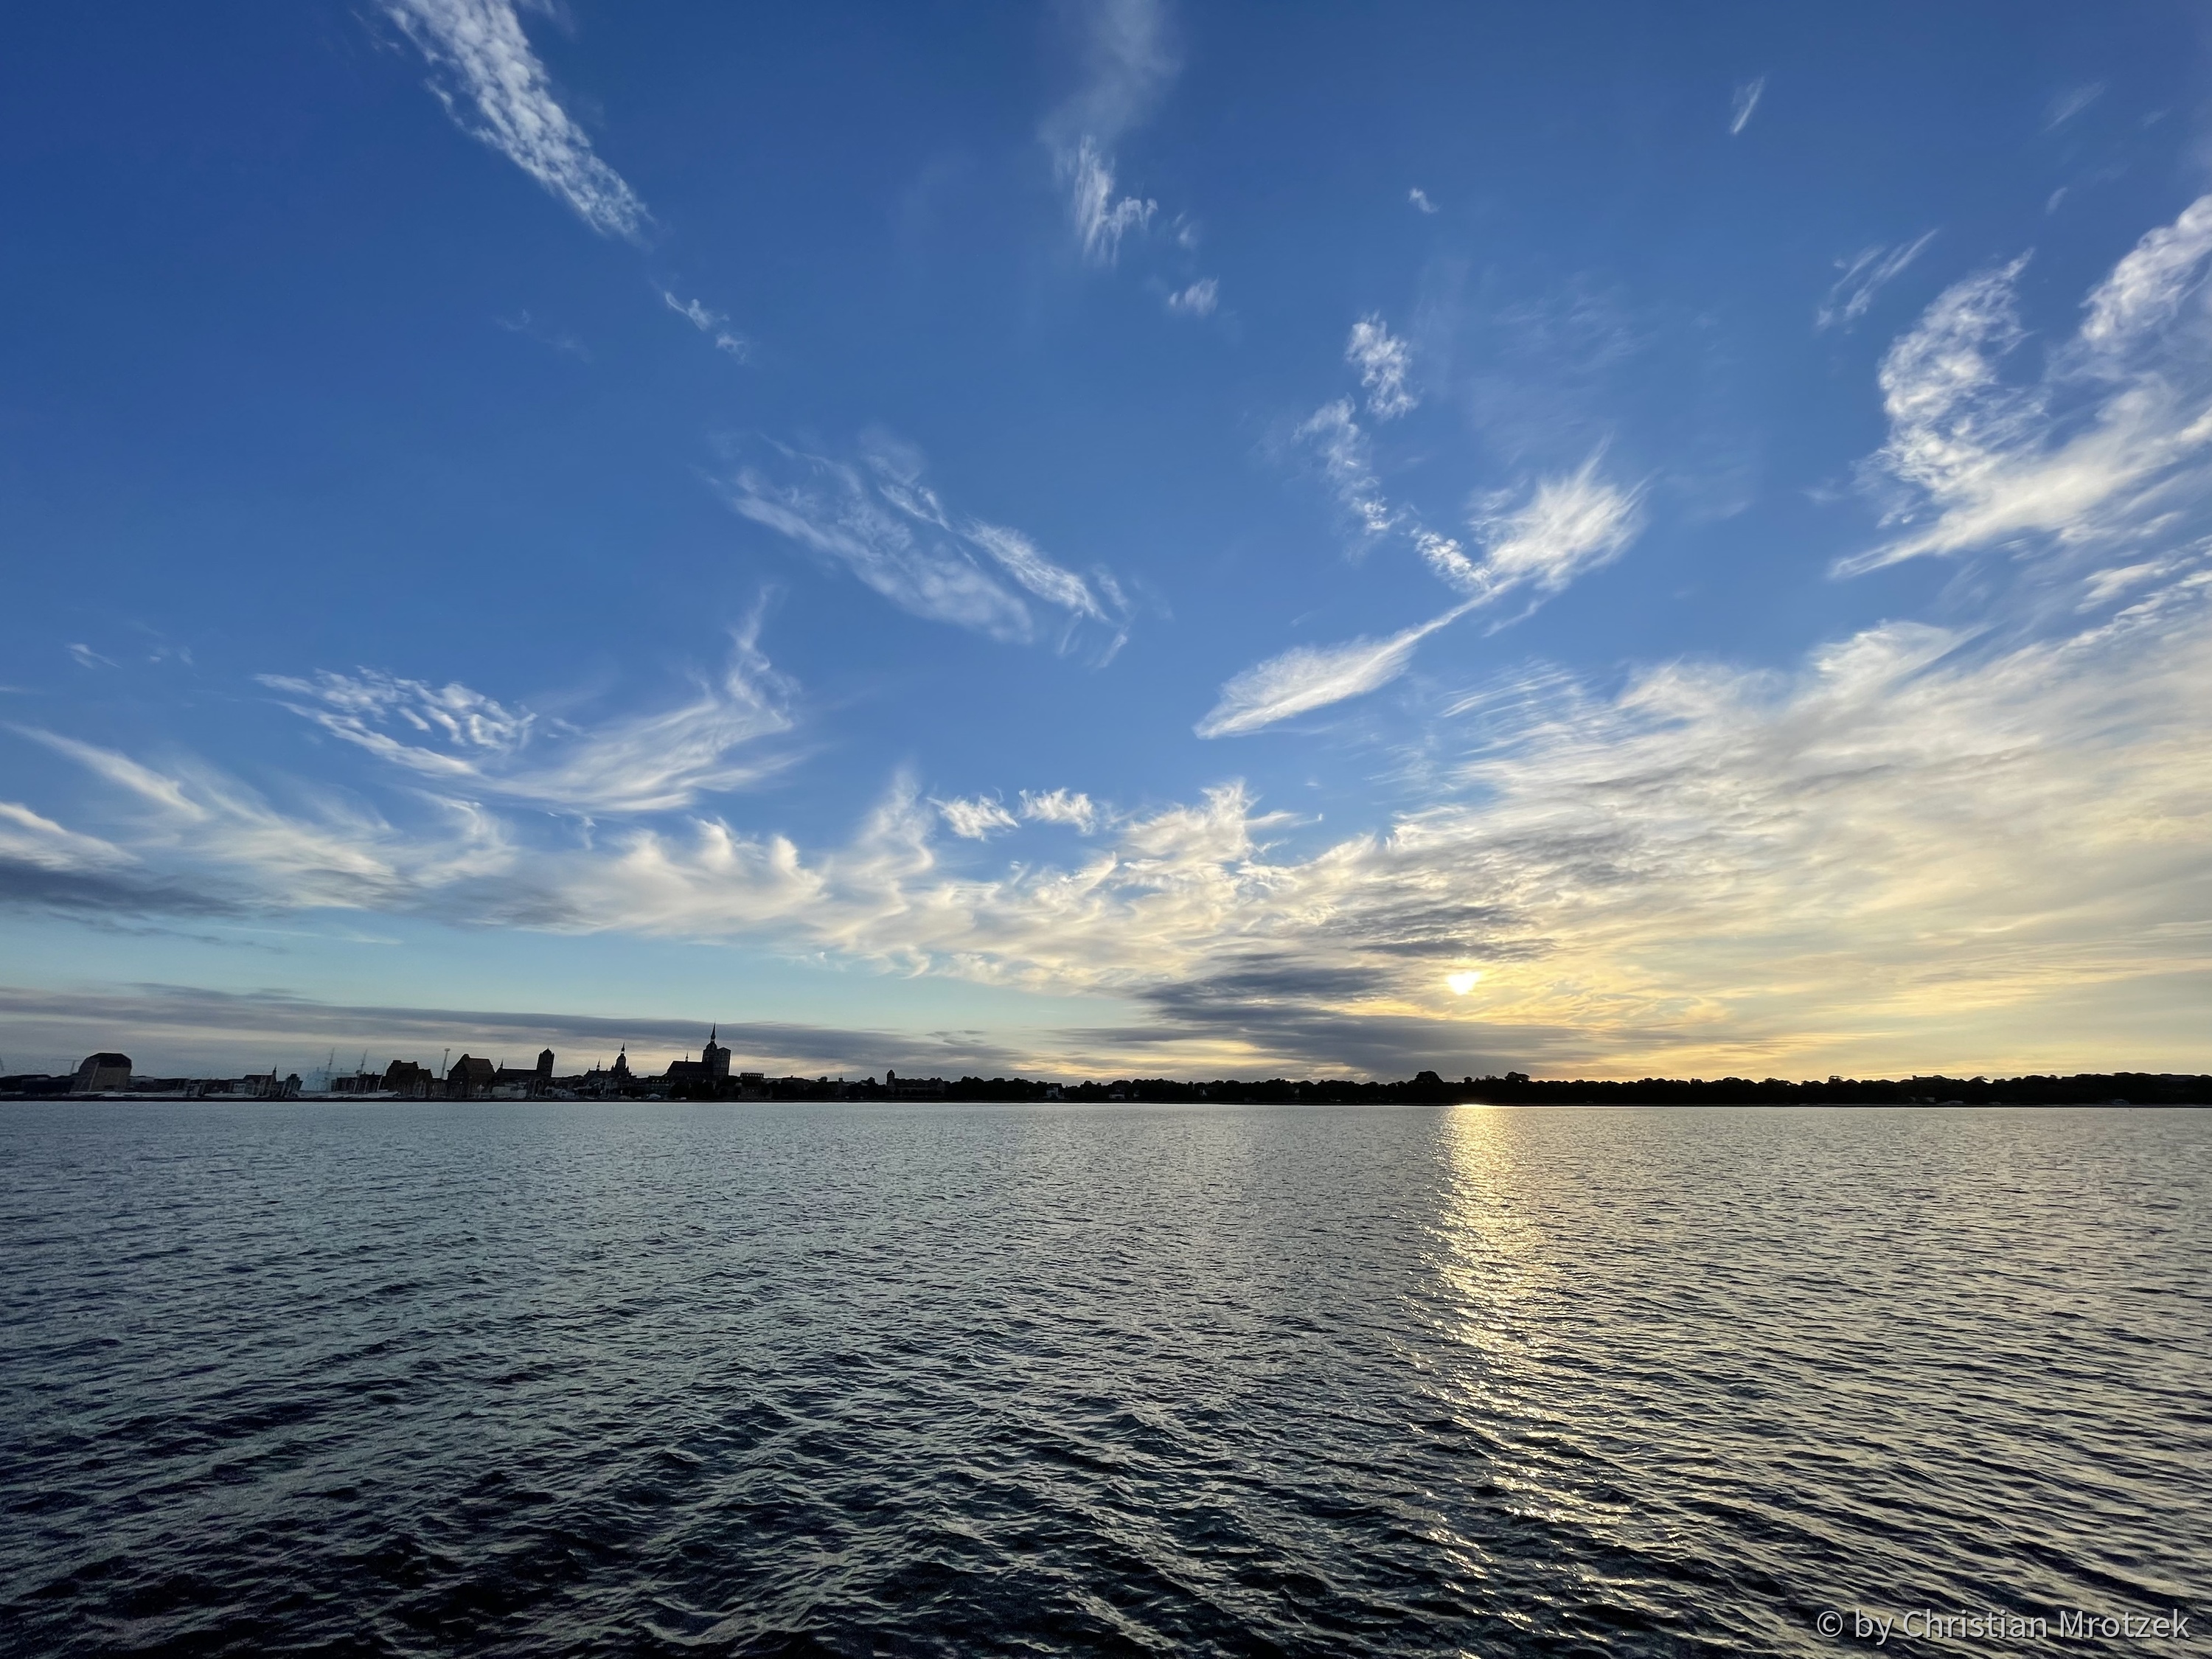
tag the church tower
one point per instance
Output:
(715, 1057)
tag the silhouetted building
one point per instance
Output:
(101, 1071)
(35, 1086)
(601, 1083)
(705, 1074)
(508, 1083)
(470, 1079)
(404, 1077)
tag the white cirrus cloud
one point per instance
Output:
(1199, 300)
(2066, 105)
(1419, 199)
(1101, 218)
(877, 519)
(1347, 462)
(1128, 61)
(1311, 676)
(1566, 526)
(144, 782)
(1743, 102)
(460, 740)
(1383, 360)
(559, 339)
(1533, 544)
(973, 820)
(1068, 806)
(2146, 289)
(711, 323)
(202, 826)
(1864, 275)
(1019, 557)
(2107, 445)
(484, 61)
(30, 838)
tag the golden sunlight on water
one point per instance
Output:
(1732, 1369)
(1514, 1253)
(551, 1379)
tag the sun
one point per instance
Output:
(1462, 981)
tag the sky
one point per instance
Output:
(1108, 537)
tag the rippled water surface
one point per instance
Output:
(552, 1379)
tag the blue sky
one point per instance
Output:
(1596, 539)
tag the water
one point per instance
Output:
(582, 1379)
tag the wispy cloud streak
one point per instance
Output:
(1199, 300)
(1127, 64)
(2070, 103)
(1563, 528)
(974, 820)
(483, 62)
(1069, 806)
(459, 739)
(1744, 103)
(28, 837)
(1865, 274)
(1383, 360)
(1347, 462)
(1101, 219)
(1313, 676)
(1567, 526)
(2102, 448)
(712, 323)
(878, 519)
